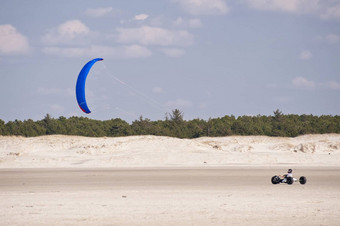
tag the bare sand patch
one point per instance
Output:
(219, 196)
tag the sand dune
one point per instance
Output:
(154, 151)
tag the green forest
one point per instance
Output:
(174, 125)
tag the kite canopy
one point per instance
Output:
(80, 86)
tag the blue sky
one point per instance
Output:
(208, 58)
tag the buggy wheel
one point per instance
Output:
(290, 180)
(275, 180)
(303, 180)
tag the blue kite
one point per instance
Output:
(80, 86)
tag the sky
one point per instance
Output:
(207, 58)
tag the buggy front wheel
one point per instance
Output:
(302, 180)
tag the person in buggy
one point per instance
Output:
(287, 178)
(288, 174)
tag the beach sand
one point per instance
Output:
(148, 180)
(154, 151)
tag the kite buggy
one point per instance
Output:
(288, 178)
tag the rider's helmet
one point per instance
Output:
(290, 171)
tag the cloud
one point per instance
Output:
(147, 35)
(325, 9)
(333, 85)
(157, 90)
(332, 11)
(301, 82)
(179, 103)
(284, 5)
(190, 23)
(98, 12)
(203, 7)
(119, 52)
(70, 32)
(332, 38)
(74, 39)
(134, 51)
(141, 17)
(12, 42)
(306, 55)
(173, 52)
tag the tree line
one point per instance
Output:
(174, 125)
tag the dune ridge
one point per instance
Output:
(156, 151)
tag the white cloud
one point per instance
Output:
(333, 85)
(134, 51)
(147, 35)
(332, 11)
(73, 39)
(203, 7)
(157, 90)
(306, 55)
(119, 52)
(156, 21)
(173, 52)
(301, 82)
(191, 23)
(99, 12)
(284, 5)
(325, 9)
(179, 103)
(141, 17)
(70, 32)
(332, 38)
(12, 42)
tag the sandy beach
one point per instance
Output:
(147, 180)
